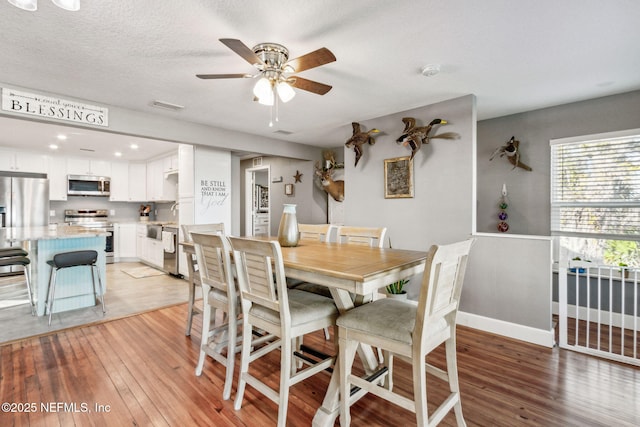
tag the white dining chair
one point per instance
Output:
(409, 331)
(219, 294)
(316, 232)
(269, 305)
(313, 232)
(192, 265)
(366, 236)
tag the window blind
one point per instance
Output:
(595, 188)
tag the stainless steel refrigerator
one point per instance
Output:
(24, 202)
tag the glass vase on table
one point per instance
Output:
(288, 234)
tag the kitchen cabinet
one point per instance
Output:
(160, 187)
(125, 241)
(150, 251)
(57, 174)
(128, 182)
(137, 182)
(170, 164)
(119, 182)
(83, 166)
(141, 237)
(22, 161)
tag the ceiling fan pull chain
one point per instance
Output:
(271, 116)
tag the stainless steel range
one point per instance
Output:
(93, 218)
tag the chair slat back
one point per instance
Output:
(187, 229)
(213, 252)
(365, 236)
(260, 272)
(441, 285)
(318, 232)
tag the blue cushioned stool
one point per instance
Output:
(85, 258)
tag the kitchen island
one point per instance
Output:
(74, 288)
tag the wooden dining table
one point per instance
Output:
(347, 269)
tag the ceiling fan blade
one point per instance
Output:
(309, 85)
(224, 76)
(311, 60)
(243, 50)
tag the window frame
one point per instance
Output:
(555, 230)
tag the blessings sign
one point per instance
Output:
(32, 104)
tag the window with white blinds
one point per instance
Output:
(595, 186)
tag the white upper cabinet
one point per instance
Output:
(137, 182)
(12, 160)
(128, 182)
(57, 174)
(119, 182)
(160, 186)
(171, 164)
(83, 166)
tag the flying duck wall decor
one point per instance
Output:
(414, 136)
(512, 150)
(359, 138)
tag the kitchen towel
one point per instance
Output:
(167, 242)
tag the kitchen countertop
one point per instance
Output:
(18, 234)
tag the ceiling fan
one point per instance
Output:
(275, 70)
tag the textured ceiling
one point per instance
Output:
(514, 56)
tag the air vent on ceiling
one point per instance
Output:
(166, 105)
(88, 149)
(283, 132)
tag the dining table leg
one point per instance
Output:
(328, 412)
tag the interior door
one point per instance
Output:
(257, 206)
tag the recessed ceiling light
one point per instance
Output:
(53, 146)
(430, 70)
(134, 146)
(61, 137)
(117, 154)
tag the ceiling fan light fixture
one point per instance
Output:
(71, 5)
(285, 91)
(29, 5)
(263, 88)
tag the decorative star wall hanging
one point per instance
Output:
(298, 176)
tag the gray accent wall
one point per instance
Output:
(442, 209)
(529, 192)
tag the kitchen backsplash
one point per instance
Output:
(118, 211)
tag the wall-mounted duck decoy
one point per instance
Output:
(359, 138)
(512, 150)
(414, 137)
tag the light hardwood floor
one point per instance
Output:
(143, 367)
(125, 296)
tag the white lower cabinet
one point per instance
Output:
(150, 251)
(125, 237)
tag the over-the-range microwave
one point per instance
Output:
(88, 185)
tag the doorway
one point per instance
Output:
(257, 205)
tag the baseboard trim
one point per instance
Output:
(507, 329)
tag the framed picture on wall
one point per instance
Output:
(288, 189)
(398, 178)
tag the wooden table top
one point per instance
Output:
(355, 268)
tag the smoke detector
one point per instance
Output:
(430, 70)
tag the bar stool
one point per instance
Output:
(86, 258)
(9, 252)
(23, 261)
